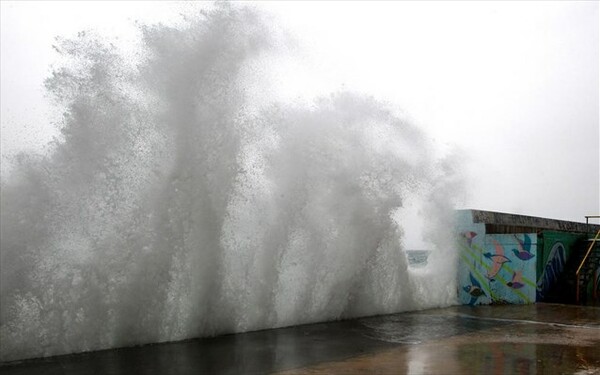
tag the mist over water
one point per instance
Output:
(177, 205)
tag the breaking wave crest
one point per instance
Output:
(172, 208)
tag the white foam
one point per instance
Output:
(171, 209)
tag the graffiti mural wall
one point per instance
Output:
(500, 270)
(496, 268)
(508, 258)
(553, 255)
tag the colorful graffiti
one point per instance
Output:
(509, 267)
(498, 259)
(494, 275)
(474, 289)
(523, 251)
(554, 267)
(553, 254)
(495, 268)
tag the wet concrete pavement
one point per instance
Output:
(511, 339)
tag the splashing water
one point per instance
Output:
(171, 208)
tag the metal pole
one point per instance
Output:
(596, 285)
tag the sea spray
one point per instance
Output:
(172, 208)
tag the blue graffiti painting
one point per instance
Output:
(554, 267)
(524, 248)
(474, 289)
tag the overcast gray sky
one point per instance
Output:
(513, 84)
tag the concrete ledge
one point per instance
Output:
(532, 222)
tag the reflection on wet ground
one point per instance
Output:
(512, 339)
(475, 358)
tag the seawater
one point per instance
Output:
(417, 258)
(176, 205)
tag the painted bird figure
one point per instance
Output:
(524, 248)
(498, 260)
(517, 280)
(469, 237)
(474, 289)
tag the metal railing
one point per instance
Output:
(587, 220)
(588, 217)
(581, 265)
